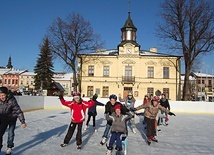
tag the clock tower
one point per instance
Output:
(128, 44)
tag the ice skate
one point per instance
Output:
(133, 130)
(95, 129)
(103, 141)
(148, 141)
(8, 151)
(63, 145)
(154, 139)
(86, 127)
(79, 147)
(109, 152)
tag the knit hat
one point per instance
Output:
(117, 107)
(129, 94)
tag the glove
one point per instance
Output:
(60, 96)
(94, 98)
(132, 109)
(171, 113)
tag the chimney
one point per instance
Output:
(153, 49)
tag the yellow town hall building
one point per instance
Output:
(130, 69)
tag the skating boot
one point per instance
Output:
(148, 141)
(79, 147)
(63, 145)
(133, 130)
(86, 127)
(8, 151)
(103, 141)
(154, 139)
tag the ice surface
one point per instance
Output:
(186, 134)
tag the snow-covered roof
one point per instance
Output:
(3, 70)
(15, 71)
(198, 74)
(28, 74)
(115, 52)
(66, 76)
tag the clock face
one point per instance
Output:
(128, 51)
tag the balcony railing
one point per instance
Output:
(128, 79)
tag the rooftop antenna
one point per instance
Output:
(129, 6)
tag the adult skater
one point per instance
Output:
(150, 115)
(165, 103)
(129, 103)
(9, 112)
(78, 108)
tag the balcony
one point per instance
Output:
(128, 79)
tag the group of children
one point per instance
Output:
(116, 114)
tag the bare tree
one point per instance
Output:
(187, 27)
(71, 37)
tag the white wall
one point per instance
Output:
(52, 102)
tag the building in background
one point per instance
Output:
(130, 69)
(66, 80)
(204, 86)
(10, 79)
(26, 83)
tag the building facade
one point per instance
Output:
(130, 69)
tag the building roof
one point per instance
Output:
(15, 71)
(61, 77)
(114, 52)
(28, 74)
(198, 74)
(3, 70)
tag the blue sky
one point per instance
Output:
(24, 23)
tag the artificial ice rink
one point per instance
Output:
(186, 134)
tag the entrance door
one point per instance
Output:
(126, 91)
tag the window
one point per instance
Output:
(202, 81)
(8, 81)
(166, 72)
(166, 91)
(90, 70)
(150, 72)
(199, 81)
(105, 70)
(210, 83)
(105, 91)
(5, 81)
(21, 82)
(90, 91)
(150, 91)
(12, 81)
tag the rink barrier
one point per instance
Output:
(29, 103)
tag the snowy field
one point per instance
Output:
(186, 134)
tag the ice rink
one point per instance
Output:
(186, 134)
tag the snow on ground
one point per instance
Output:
(185, 134)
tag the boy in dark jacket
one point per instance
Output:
(78, 108)
(92, 112)
(9, 112)
(118, 128)
(165, 103)
(109, 109)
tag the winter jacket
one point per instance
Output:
(165, 103)
(119, 122)
(10, 110)
(150, 110)
(129, 102)
(77, 109)
(109, 108)
(92, 111)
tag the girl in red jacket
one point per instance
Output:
(78, 108)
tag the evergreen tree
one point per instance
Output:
(9, 64)
(44, 67)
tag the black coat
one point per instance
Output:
(10, 110)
